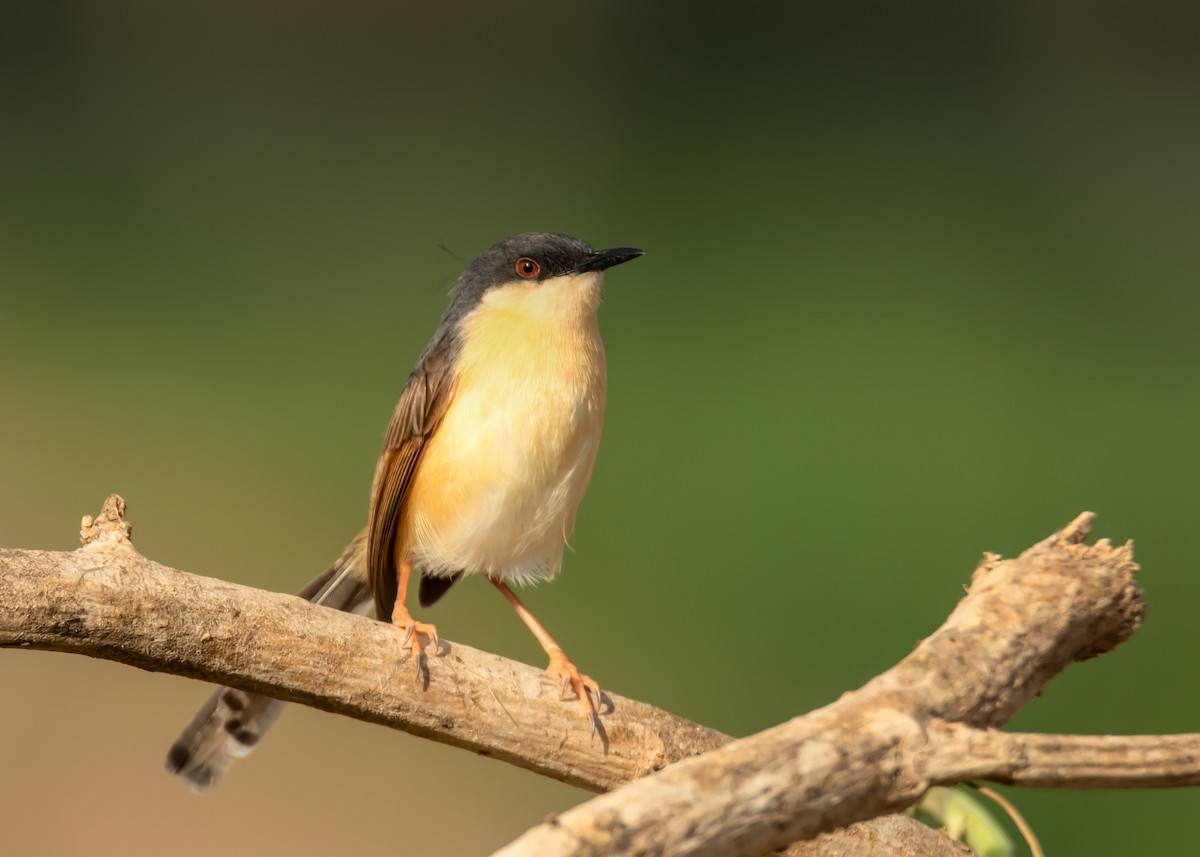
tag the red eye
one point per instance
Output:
(528, 268)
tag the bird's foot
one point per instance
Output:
(415, 636)
(587, 692)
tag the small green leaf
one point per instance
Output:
(965, 818)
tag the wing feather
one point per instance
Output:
(421, 407)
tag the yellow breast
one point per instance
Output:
(500, 481)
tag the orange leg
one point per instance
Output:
(413, 629)
(587, 692)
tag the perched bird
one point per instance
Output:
(484, 463)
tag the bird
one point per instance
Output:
(485, 460)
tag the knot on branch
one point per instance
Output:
(109, 526)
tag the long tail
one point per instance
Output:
(232, 722)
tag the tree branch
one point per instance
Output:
(106, 600)
(880, 748)
(1064, 761)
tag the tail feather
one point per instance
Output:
(431, 589)
(232, 722)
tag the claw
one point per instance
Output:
(412, 641)
(585, 691)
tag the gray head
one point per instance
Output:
(531, 257)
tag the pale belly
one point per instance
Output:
(501, 479)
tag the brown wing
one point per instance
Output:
(420, 409)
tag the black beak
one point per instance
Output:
(602, 259)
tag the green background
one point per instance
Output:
(920, 282)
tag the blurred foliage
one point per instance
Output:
(920, 282)
(967, 819)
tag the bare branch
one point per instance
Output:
(961, 753)
(875, 750)
(106, 600)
